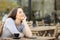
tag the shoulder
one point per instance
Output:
(9, 20)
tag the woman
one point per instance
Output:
(16, 23)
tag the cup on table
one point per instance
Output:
(16, 35)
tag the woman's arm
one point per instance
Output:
(27, 32)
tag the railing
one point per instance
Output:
(45, 32)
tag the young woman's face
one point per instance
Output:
(20, 14)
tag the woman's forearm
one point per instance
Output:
(27, 30)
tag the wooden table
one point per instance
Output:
(38, 38)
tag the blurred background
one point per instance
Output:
(38, 12)
(34, 9)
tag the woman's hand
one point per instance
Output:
(23, 17)
(21, 35)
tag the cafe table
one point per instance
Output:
(37, 38)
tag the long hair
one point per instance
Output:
(13, 13)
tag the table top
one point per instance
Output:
(38, 38)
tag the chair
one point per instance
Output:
(39, 23)
(1, 27)
(39, 29)
(58, 32)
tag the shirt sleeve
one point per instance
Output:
(11, 26)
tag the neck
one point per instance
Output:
(18, 22)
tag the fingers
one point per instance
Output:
(25, 16)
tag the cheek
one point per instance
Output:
(18, 16)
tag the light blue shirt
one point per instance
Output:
(10, 28)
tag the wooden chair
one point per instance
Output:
(39, 23)
(38, 29)
(1, 27)
(58, 32)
